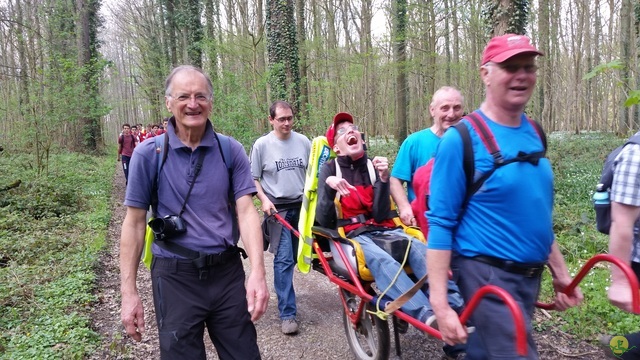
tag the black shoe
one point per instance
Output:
(454, 352)
(605, 341)
(402, 326)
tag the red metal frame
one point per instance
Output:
(626, 269)
(357, 289)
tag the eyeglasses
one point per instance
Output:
(199, 98)
(284, 119)
(514, 68)
(344, 130)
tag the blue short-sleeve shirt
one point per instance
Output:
(415, 151)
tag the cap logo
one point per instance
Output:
(518, 40)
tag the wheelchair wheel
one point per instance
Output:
(369, 340)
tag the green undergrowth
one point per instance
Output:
(52, 228)
(577, 162)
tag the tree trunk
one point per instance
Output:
(544, 73)
(508, 16)
(84, 62)
(400, 55)
(282, 49)
(332, 51)
(366, 50)
(625, 56)
(456, 44)
(194, 33)
(171, 31)
(212, 47)
(447, 43)
(23, 75)
(302, 40)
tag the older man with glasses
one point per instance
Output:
(209, 288)
(502, 234)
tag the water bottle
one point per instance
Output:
(602, 206)
(601, 196)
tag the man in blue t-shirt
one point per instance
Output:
(504, 236)
(446, 109)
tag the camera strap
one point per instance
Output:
(171, 246)
(195, 176)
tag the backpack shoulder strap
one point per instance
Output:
(224, 143)
(538, 127)
(635, 139)
(606, 177)
(372, 172)
(162, 149)
(467, 153)
(467, 164)
(481, 128)
(339, 176)
(225, 148)
(468, 160)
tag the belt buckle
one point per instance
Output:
(212, 260)
(533, 271)
(530, 272)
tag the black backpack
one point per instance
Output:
(133, 140)
(603, 211)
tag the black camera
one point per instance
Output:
(167, 226)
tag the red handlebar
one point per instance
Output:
(516, 313)
(626, 269)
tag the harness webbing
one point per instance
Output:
(489, 141)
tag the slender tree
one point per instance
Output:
(89, 61)
(447, 44)
(544, 87)
(211, 8)
(625, 56)
(170, 30)
(190, 21)
(302, 38)
(507, 16)
(400, 58)
(282, 49)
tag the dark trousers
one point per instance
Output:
(494, 336)
(185, 302)
(125, 166)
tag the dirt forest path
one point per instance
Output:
(321, 333)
